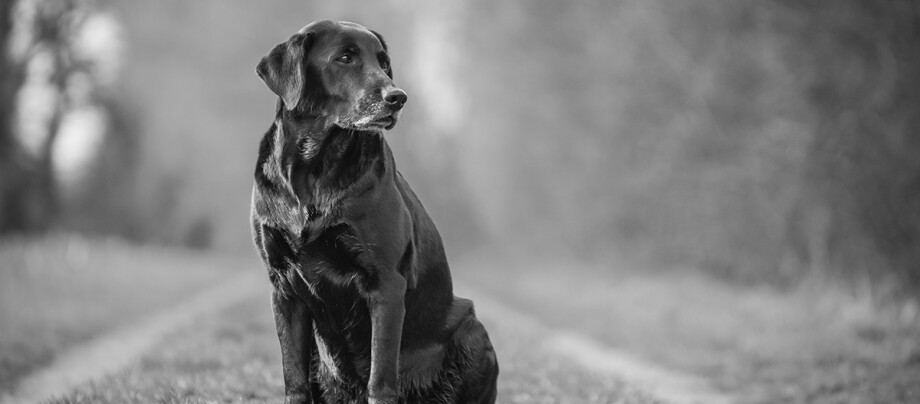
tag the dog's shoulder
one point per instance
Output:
(424, 225)
(273, 202)
(428, 248)
(408, 195)
(265, 148)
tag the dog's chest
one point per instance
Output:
(280, 206)
(342, 329)
(341, 318)
(287, 213)
(303, 189)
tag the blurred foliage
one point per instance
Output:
(760, 140)
(43, 58)
(865, 154)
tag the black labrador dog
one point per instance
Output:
(362, 294)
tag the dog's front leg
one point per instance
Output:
(293, 319)
(387, 309)
(295, 332)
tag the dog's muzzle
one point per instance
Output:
(379, 111)
(395, 98)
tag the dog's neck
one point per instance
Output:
(325, 148)
(313, 165)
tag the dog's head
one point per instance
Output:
(336, 71)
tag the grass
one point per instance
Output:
(814, 344)
(234, 357)
(60, 290)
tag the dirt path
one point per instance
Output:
(114, 351)
(589, 353)
(540, 364)
(813, 344)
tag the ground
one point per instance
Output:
(819, 343)
(752, 345)
(233, 357)
(60, 291)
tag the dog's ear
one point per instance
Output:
(283, 71)
(384, 44)
(380, 38)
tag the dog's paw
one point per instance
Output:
(297, 399)
(383, 397)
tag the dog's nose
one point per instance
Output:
(395, 98)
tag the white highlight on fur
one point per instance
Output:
(273, 210)
(309, 148)
(364, 120)
(271, 167)
(330, 365)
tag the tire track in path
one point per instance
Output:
(113, 351)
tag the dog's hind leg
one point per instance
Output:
(480, 370)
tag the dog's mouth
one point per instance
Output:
(383, 123)
(389, 122)
(369, 116)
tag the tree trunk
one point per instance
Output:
(13, 179)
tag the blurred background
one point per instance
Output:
(762, 141)
(703, 173)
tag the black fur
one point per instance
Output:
(349, 248)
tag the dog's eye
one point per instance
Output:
(385, 65)
(346, 59)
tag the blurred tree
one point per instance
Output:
(763, 140)
(12, 177)
(30, 191)
(760, 140)
(53, 30)
(860, 61)
(53, 83)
